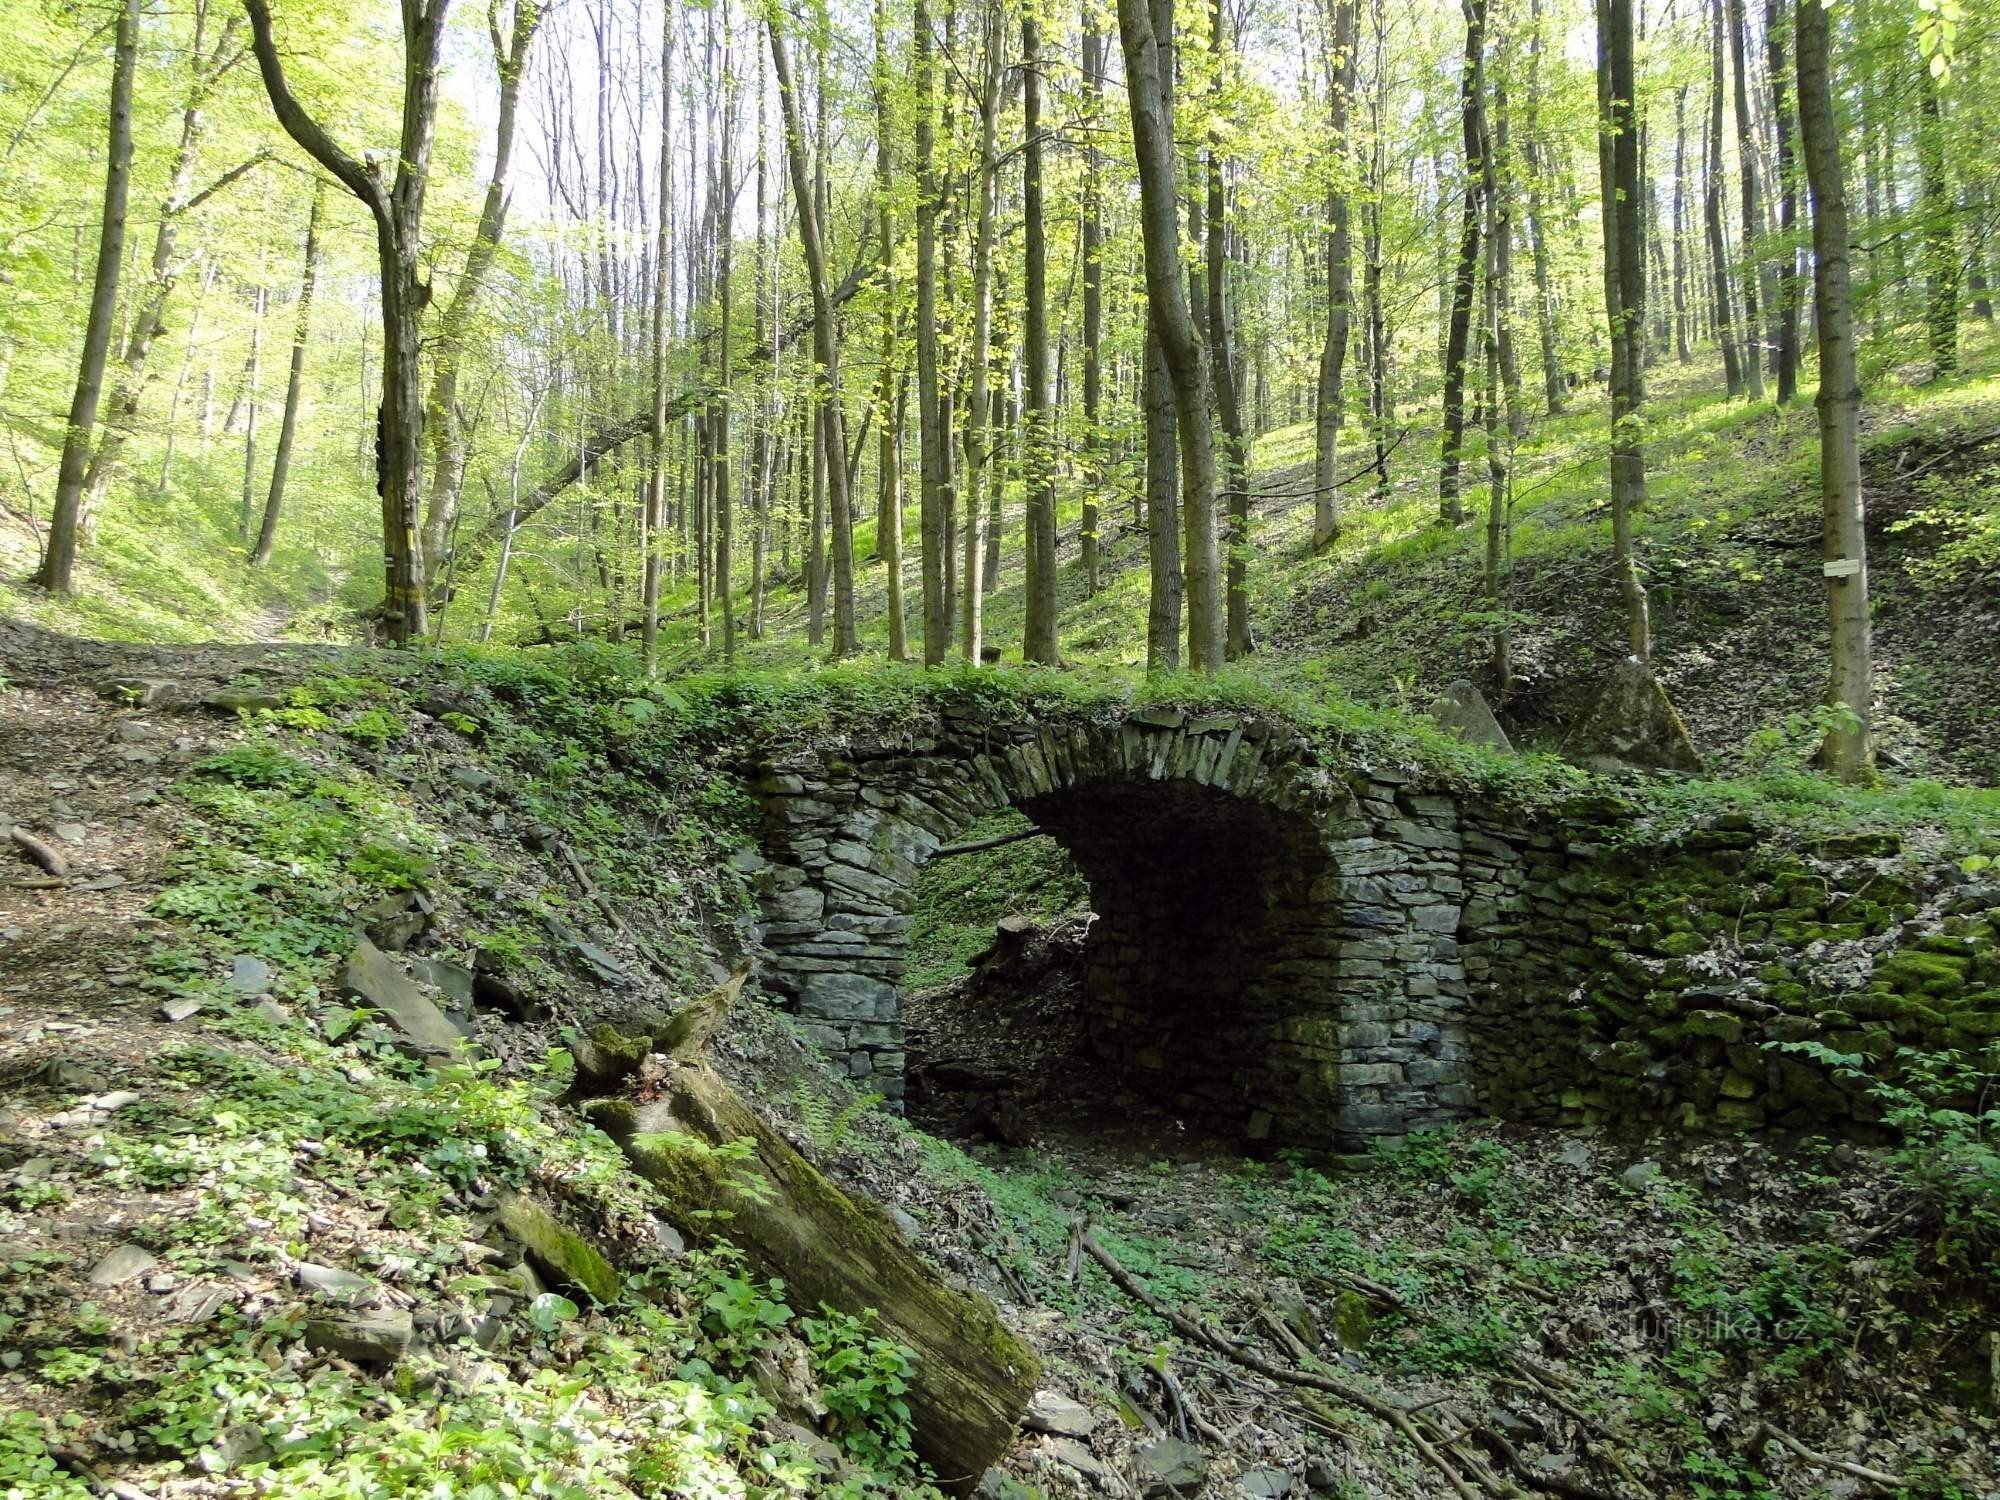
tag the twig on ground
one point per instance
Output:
(617, 922)
(1230, 1349)
(1828, 1461)
(46, 855)
(1190, 1417)
(1554, 1484)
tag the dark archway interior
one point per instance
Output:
(1209, 926)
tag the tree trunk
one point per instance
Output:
(59, 556)
(1146, 36)
(1712, 191)
(1683, 348)
(1223, 359)
(148, 320)
(1163, 488)
(1339, 62)
(1624, 302)
(398, 213)
(1092, 235)
(1499, 539)
(1379, 399)
(1498, 160)
(281, 461)
(888, 450)
(933, 443)
(1941, 258)
(449, 444)
(1788, 206)
(979, 409)
(653, 518)
(825, 352)
(1849, 749)
(722, 498)
(1753, 213)
(1039, 642)
(253, 407)
(1471, 88)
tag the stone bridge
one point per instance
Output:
(1289, 950)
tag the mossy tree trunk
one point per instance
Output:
(973, 1376)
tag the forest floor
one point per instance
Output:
(180, 1200)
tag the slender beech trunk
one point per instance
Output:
(59, 556)
(1711, 197)
(722, 499)
(1379, 399)
(979, 409)
(1166, 595)
(1941, 256)
(1146, 37)
(281, 461)
(653, 516)
(1223, 359)
(1787, 352)
(148, 319)
(888, 470)
(825, 349)
(1498, 559)
(1497, 160)
(450, 447)
(397, 205)
(1683, 348)
(1849, 751)
(1341, 46)
(1624, 302)
(932, 442)
(513, 519)
(253, 406)
(1039, 642)
(1753, 211)
(1092, 237)
(208, 275)
(1465, 280)
(763, 457)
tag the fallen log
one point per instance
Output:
(973, 1376)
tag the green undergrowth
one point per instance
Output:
(1695, 1300)
(297, 1129)
(688, 726)
(171, 567)
(657, 1390)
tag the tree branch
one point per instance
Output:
(302, 127)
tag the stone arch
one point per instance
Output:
(1277, 944)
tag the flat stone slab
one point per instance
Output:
(373, 978)
(377, 1338)
(1462, 711)
(1632, 725)
(1054, 1413)
(126, 1263)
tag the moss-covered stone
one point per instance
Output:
(1924, 973)
(1352, 1320)
(1720, 1024)
(560, 1254)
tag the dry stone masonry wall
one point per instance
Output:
(1321, 954)
(1277, 943)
